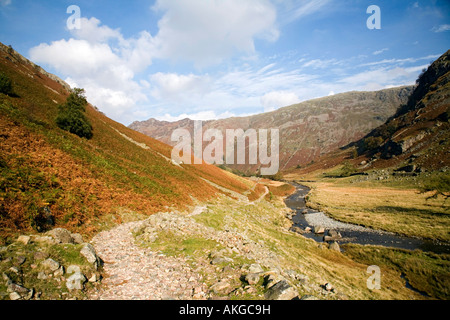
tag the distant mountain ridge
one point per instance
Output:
(415, 139)
(308, 129)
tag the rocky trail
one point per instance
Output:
(223, 264)
(135, 273)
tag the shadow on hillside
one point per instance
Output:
(395, 209)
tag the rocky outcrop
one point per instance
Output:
(41, 266)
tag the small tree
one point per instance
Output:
(71, 116)
(372, 143)
(5, 85)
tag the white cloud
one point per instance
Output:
(102, 62)
(208, 32)
(441, 28)
(277, 99)
(175, 87)
(380, 51)
(399, 61)
(203, 115)
(297, 9)
(321, 64)
(92, 31)
(5, 2)
(380, 78)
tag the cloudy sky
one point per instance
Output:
(205, 59)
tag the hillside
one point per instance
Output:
(307, 130)
(50, 177)
(415, 139)
(112, 217)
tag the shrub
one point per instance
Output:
(5, 85)
(372, 143)
(71, 116)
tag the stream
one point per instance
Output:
(306, 217)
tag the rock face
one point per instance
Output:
(415, 137)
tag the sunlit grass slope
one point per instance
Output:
(47, 171)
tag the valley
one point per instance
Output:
(110, 215)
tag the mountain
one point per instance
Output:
(50, 177)
(307, 130)
(415, 139)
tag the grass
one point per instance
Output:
(171, 244)
(395, 206)
(52, 288)
(83, 181)
(268, 226)
(427, 273)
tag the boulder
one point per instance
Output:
(335, 246)
(14, 296)
(77, 238)
(221, 287)
(255, 268)
(281, 291)
(334, 234)
(319, 230)
(76, 281)
(24, 239)
(61, 235)
(89, 253)
(50, 265)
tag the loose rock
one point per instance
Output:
(281, 291)
(61, 235)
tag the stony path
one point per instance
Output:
(135, 273)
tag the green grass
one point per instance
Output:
(425, 272)
(174, 245)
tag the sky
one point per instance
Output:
(211, 59)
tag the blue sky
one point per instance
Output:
(206, 59)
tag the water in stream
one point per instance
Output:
(306, 217)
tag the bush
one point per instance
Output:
(372, 143)
(5, 85)
(71, 116)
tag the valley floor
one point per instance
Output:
(231, 249)
(382, 201)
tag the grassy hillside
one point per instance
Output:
(48, 174)
(307, 130)
(397, 177)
